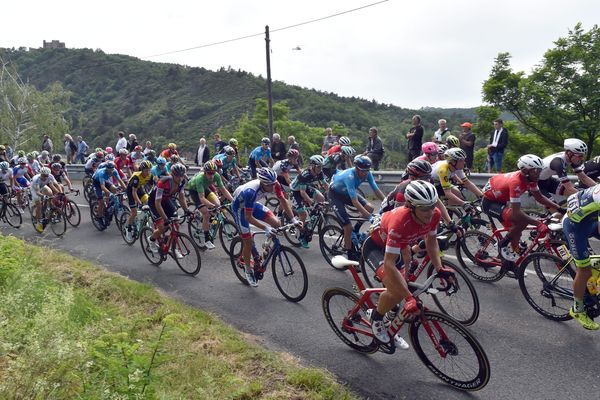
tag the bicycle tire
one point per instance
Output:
(331, 243)
(548, 299)
(12, 215)
(292, 235)
(153, 258)
(465, 309)
(335, 314)
(190, 253)
(283, 268)
(97, 222)
(195, 231)
(235, 251)
(227, 232)
(480, 370)
(72, 213)
(475, 264)
(123, 230)
(58, 222)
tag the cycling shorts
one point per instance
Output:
(501, 211)
(170, 209)
(259, 211)
(141, 194)
(577, 235)
(210, 196)
(3, 189)
(298, 201)
(339, 203)
(98, 188)
(23, 182)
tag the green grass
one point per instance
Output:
(69, 329)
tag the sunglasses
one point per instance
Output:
(426, 208)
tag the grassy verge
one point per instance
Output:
(69, 329)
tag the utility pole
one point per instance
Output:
(269, 93)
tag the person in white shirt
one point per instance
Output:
(440, 136)
(121, 143)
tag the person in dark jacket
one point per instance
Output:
(374, 148)
(415, 138)
(132, 142)
(498, 142)
(278, 151)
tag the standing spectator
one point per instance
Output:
(82, 149)
(415, 138)
(295, 145)
(3, 156)
(498, 142)
(467, 142)
(9, 150)
(121, 143)
(47, 144)
(278, 148)
(148, 148)
(203, 153)
(132, 143)
(328, 141)
(439, 136)
(374, 148)
(70, 148)
(219, 144)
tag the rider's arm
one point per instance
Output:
(226, 194)
(69, 185)
(305, 196)
(518, 214)
(546, 202)
(474, 189)
(452, 198)
(586, 180)
(445, 216)
(183, 202)
(433, 250)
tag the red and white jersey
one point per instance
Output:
(503, 188)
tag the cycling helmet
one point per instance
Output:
(575, 146)
(123, 151)
(362, 162)
(442, 149)
(30, 155)
(2, 147)
(44, 153)
(455, 154)
(233, 142)
(285, 165)
(56, 158)
(178, 170)
(293, 153)
(99, 154)
(22, 160)
(110, 157)
(151, 153)
(421, 193)
(266, 175)
(161, 160)
(108, 149)
(344, 141)
(174, 158)
(230, 151)
(145, 165)
(35, 154)
(4, 165)
(218, 162)
(172, 146)
(348, 150)
(56, 166)
(418, 168)
(452, 140)
(45, 171)
(265, 140)
(530, 161)
(210, 166)
(21, 153)
(317, 160)
(137, 148)
(109, 165)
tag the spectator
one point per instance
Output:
(441, 134)
(3, 156)
(328, 141)
(498, 142)
(292, 144)
(121, 143)
(203, 153)
(70, 148)
(374, 148)
(148, 148)
(278, 148)
(47, 144)
(467, 142)
(82, 149)
(132, 143)
(415, 138)
(219, 144)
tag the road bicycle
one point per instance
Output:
(51, 215)
(88, 189)
(9, 212)
(114, 208)
(172, 243)
(318, 216)
(458, 299)
(331, 239)
(221, 224)
(287, 267)
(70, 208)
(144, 218)
(447, 348)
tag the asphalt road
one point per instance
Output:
(531, 357)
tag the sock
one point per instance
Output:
(578, 305)
(375, 316)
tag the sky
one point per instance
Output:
(413, 54)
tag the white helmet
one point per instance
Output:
(344, 141)
(530, 161)
(421, 193)
(576, 146)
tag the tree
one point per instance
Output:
(561, 97)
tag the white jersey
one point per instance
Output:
(37, 182)
(35, 166)
(6, 176)
(556, 164)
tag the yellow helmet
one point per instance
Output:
(172, 146)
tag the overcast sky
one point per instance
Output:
(408, 53)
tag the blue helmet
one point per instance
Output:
(266, 175)
(362, 162)
(161, 161)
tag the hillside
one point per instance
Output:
(164, 102)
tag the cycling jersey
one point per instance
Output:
(581, 223)
(334, 149)
(282, 165)
(259, 153)
(226, 164)
(19, 172)
(166, 190)
(334, 161)
(35, 166)
(37, 183)
(58, 175)
(6, 176)
(101, 176)
(306, 178)
(137, 180)
(158, 172)
(167, 153)
(398, 228)
(245, 198)
(583, 203)
(123, 163)
(91, 164)
(395, 198)
(201, 182)
(442, 175)
(556, 164)
(503, 188)
(346, 182)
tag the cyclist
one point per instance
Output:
(15, 160)
(33, 163)
(229, 163)
(59, 175)
(103, 186)
(21, 177)
(282, 168)
(443, 172)
(556, 164)
(502, 200)
(136, 193)
(442, 152)
(430, 152)
(304, 193)
(397, 230)
(44, 157)
(162, 203)
(234, 145)
(136, 157)
(92, 163)
(342, 141)
(172, 161)
(123, 162)
(43, 184)
(338, 161)
(260, 156)
(169, 151)
(160, 169)
(247, 210)
(452, 141)
(150, 155)
(6, 178)
(342, 193)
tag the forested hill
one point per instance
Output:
(173, 102)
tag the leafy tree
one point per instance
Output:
(561, 97)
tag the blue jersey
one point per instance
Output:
(157, 172)
(226, 164)
(249, 193)
(102, 175)
(346, 182)
(260, 154)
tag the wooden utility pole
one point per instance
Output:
(269, 92)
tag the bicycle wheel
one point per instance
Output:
(289, 274)
(235, 252)
(12, 215)
(331, 243)
(272, 203)
(195, 230)
(478, 254)
(548, 286)
(72, 213)
(58, 222)
(292, 234)
(459, 301)
(353, 329)
(450, 351)
(190, 261)
(227, 232)
(97, 222)
(123, 225)
(153, 257)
